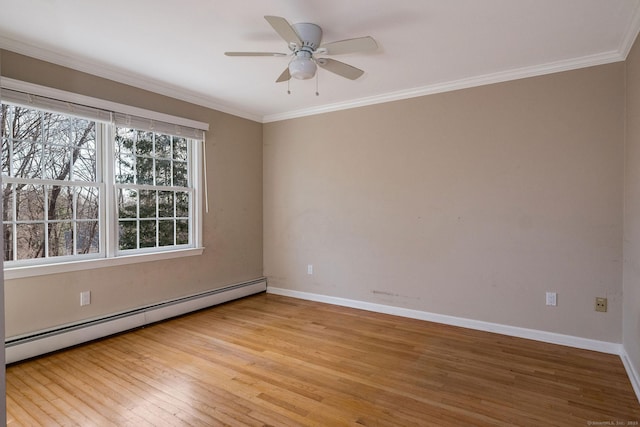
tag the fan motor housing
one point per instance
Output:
(310, 34)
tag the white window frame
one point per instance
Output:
(46, 182)
(110, 256)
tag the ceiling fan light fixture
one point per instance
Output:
(304, 41)
(302, 68)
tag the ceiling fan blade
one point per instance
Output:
(284, 76)
(360, 44)
(254, 54)
(284, 29)
(340, 68)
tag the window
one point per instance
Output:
(51, 193)
(80, 187)
(153, 192)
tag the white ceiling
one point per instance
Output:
(425, 46)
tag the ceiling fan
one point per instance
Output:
(304, 42)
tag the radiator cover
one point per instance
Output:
(42, 342)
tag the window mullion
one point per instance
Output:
(74, 221)
(45, 208)
(14, 227)
(157, 220)
(196, 184)
(108, 218)
(154, 155)
(46, 221)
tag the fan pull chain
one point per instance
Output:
(289, 86)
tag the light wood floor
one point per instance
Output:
(272, 360)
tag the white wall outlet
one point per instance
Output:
(310, 269)
(552, 298)
(85, 298)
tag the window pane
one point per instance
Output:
(127, 203)
(88, 203)
(165, 204)
(56, 128)
(163, 172)
(27, 124)
(163, 146)
(60, 239)
(30, 203)
(165, 232)
(7, 202)
(144, 171)
(180, 178)
(148, 233)
(7, 229)
(125, 139)
(182, 232)
(128, 235)
(6, 156)
(60, 202)
(27, 159)
(180, 148)
(30, 239)
(83, 134)
(84, 165)
(56, 165)
(124, 169)
(88, 237)
(147, 204)
(182, 204)
(144, 144)
(6, 117)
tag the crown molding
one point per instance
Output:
(631, 34)
(145, 83)
(120, 76)
(486, 79)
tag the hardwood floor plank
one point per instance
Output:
(19, 415)
(272, 360)
(21, 397)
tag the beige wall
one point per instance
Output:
(631, 287)
(470, 203)
(232, 228)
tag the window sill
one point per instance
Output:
(65, 267)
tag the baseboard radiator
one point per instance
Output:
(42, 342)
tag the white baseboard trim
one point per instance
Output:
(532, 334)
(514, 331)
(42, 342)
(632, 373)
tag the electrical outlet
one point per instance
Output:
(552, 298)
(85, 298)
(310, 269)
(601, 304)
